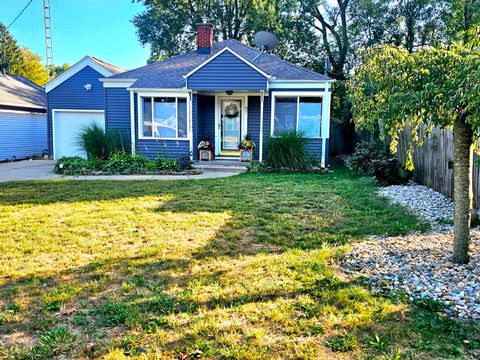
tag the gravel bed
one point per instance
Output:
(433, 207)
(420, 264)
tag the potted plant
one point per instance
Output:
(205, 149)
(246, 148)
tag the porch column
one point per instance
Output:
(132, 121)
(326, 123)
(260, 154)
(190, 122)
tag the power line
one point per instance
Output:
(21, 12)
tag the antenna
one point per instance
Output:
(47, 21)
(265, 41)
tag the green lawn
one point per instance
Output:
(242, 267)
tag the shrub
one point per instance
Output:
(256, 167)
(71, 165)
(185, 163)
(124, 163)
(165, 164)
(99, 143)
(288, 150)
(372, 159)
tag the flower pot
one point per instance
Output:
(246, 154)
(205, 155)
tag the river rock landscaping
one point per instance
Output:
(420, 265)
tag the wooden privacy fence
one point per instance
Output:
(432, 163)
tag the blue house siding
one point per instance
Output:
(163, 148)
(227, 72)
(117, 112)
(71, 94)
(153, 148)
(206, 117)
(22, 135)
(253, 125)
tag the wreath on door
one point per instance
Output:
(231, 110)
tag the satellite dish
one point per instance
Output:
(265, 40)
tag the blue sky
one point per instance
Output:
(100, 28)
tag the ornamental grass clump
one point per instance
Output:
(100, 143)
(288, 151)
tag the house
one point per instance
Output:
(221, 91)
(23, 120)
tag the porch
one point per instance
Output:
(224, 118)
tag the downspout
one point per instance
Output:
(132, 121)
(262, 96)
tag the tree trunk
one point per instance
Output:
(463, 190)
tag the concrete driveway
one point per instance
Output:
(27, 170)
(42, 170)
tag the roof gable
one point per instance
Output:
(220, 53)
(105, 69)
(170, 73)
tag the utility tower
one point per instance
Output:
(47, 21)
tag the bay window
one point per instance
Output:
(164, 118)
(297, 113)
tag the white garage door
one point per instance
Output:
(67, 126)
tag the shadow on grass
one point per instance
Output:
(256, 257)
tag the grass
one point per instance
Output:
(235, 268)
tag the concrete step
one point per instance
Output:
(222, 165)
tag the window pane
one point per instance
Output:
(285, 114)
(182, 118)
(147, 117)
(165, 118)
(310, 115)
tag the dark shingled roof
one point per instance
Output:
(18, 91)
(169, 73)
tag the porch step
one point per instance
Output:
(222, 165)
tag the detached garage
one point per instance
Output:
(75, 100)
(23, 120)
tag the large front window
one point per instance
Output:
(297, 113)
(164, 117)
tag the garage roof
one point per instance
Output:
(16, 91)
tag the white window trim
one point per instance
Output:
(70, 110)
(298, 95)
(177, 95)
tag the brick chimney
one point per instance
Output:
(204, 38)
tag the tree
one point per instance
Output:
(417, 23)
(30, 67)
(169, 25)
(395, 89)
(10, 52)
(20, 61)
(54, 71)
(462, 19)
(333, 25)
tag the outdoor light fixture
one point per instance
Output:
(229, 92)
(88, 87)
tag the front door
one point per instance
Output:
(230, 123)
